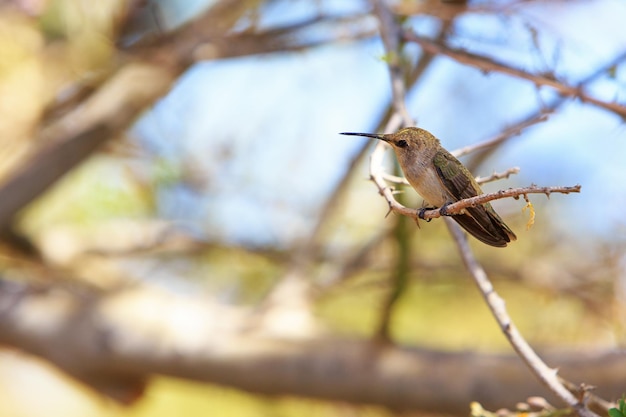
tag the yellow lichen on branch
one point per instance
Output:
(531, 213)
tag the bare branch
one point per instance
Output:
(593, 400)
(489, 64)
(391, 35)
(481, 180)
(532, 119)
(395, 179)
(460, 205)
(126, 336)
(44, 169)
(547, 376)
(331, 29)
(497, 175)
(377, 177)
(511, 131)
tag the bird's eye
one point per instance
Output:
(402, 143)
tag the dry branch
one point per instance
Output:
(481, 180)
(458, 207)
(121, 338)
(548, 376)
(378, 177)
(391, 33)
(44, 169)
(497, 175)
(502, 136)
(487, 64)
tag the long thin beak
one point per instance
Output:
(368, 135)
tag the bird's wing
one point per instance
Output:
(454, 176)
(482, 221)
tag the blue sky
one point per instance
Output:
(264, 130)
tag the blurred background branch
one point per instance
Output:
(175, 202)
(108, 341)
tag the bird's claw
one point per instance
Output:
(420, 213)
(443, 210)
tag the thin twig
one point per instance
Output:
(482, 150)
(536, 117)
(394, 179)
(391, 34)
(497, 175)
(509, 132)
(489, 64)
(592, 399)
(489, 145)
(481, 180)
(548, 376)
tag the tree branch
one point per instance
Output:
(391, 35)
(460, 205)
(125, 336)
(509, 132)
(481, 180)
(45, 168)
(545, 374)
(489, 64)
(498, 175)
(377, 176)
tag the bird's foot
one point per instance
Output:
(443, 210)
(420, 213)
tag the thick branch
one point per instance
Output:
(107, 339)
(115, 105)
(44, 169)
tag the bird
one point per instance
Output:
(441, 179)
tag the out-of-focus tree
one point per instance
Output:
(97, 281)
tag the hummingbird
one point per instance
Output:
(441, 179)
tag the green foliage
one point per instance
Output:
(621, 410)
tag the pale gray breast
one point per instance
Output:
(421, 174)
(430, 187)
